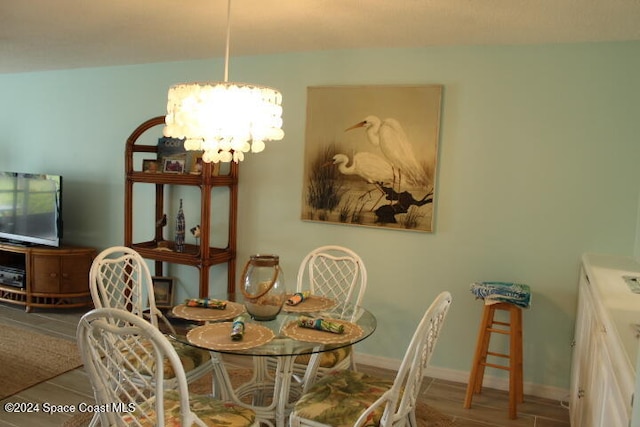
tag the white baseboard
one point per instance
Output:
(538, 390)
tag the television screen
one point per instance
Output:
(30, 208)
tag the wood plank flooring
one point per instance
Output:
(488, 409)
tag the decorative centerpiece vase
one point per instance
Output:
(263, 287)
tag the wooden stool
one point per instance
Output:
(513, 328)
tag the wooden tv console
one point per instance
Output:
(53, 277)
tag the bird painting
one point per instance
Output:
(371, 155)
(370, 167)
(390, 137)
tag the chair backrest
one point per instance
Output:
(334, 272)
(402, 400)
(120, 278)
(120, 352)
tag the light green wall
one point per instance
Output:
(538, 163)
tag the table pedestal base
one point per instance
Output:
(271, 394)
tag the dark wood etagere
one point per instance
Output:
(202, 256)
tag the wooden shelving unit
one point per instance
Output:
(202, 256)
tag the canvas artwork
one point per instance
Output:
(371, 155)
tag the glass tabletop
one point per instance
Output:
(283, 336)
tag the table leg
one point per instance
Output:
(221, 383)
(259, 388)
(282, 388)
(310, 373)
(263, 386)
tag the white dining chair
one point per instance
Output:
(337, 273)
(349, 398)
(334, 272)
(120, 278)
(121, 353)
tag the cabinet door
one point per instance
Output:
(614, 411)
(596, 398)
(609, 409)
(580, 403)
(74, 272)
(46, 274)
(597, 387)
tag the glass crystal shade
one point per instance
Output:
(224, 119)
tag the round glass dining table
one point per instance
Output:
(273, 345)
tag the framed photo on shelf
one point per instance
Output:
(194, 160)
(149, 166)
(196, 165)
(163, 291)
(173, 165)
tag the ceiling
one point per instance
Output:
(45, 34)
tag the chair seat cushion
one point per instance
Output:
(142, 361)
(340, 397)
(212, 411)
(328, 359)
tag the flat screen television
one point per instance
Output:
(31, 208)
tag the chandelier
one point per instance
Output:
(224, 119)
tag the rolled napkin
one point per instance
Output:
(495, 292)
(206, 303)
(320, 324)
(298, 297)
(237, 328)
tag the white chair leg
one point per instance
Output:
(95, 420)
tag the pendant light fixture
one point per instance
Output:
(224, 119)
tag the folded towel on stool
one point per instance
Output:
(495, 292)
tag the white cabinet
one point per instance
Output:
(580, 405)
(601, 376)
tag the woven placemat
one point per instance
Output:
(232, 310)
(217, 336)
(310, 304)
(351, 332)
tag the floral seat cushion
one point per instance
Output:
(213, 412)
(328, 359)
(191, 358)
(340, 397)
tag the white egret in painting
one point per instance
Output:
(389, 135)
